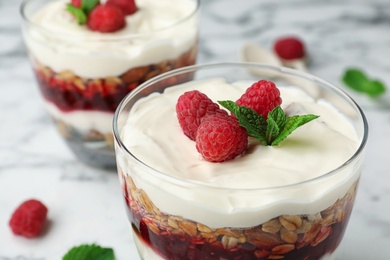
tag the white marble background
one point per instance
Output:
(85, 205)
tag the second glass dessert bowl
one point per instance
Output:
(289, 201)
(84, 74)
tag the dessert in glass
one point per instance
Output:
(84, 72)
(291, 200)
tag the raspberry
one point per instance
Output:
(262, 96)
(127, 6)
(191, 107)
(220, 138)
(76, 3)
(289, 48)
(28, 219)
(106, 18)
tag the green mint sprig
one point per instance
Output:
(88, 5)
(89, 252)
(357, 80)
(82, 13)
(271, 131)
(78, 13)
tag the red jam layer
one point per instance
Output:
(70, 92)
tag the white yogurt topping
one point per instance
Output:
(311, 151)
(65, 45)
(83, 120)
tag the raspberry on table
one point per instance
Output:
(29, 218)
(263, 96)
(220, 138)
(289, 48)
(106, 18)
(191, 107)
(127, 6)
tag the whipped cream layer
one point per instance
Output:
(83, 120)
(240, 193)
(158, 31)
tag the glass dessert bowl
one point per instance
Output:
(83, 74)
(288, 201)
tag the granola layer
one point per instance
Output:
(304, 236)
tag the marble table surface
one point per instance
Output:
(86, 205)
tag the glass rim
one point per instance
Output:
(193, 68)
(107, 36)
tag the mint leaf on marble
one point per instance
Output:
(357, 80)
(271, 131)
(89, 252)
(78, 13)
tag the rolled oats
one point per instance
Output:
(273, 226)
(203, 228)
(288, 236)
(172, 223)
(305, 227)
(229, 242)
(66, 75)
(188, 227)
(290, 222)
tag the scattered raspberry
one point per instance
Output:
(28, 219)
(263, 96)
(127, 6)
(76, 3)
(191, 107)
(106, 18)
(220, 138)
(289, 48)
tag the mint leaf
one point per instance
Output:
(254, 123)
(377, 88)
(89, 252)
(278, 115)
(88, 5)
(293, 123)
(78, 13)
(230, 105)
(358, 81)
(271, 132)
(275, 123)
(81, 14)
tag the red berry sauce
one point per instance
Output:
(96, 94)
(70, 92)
